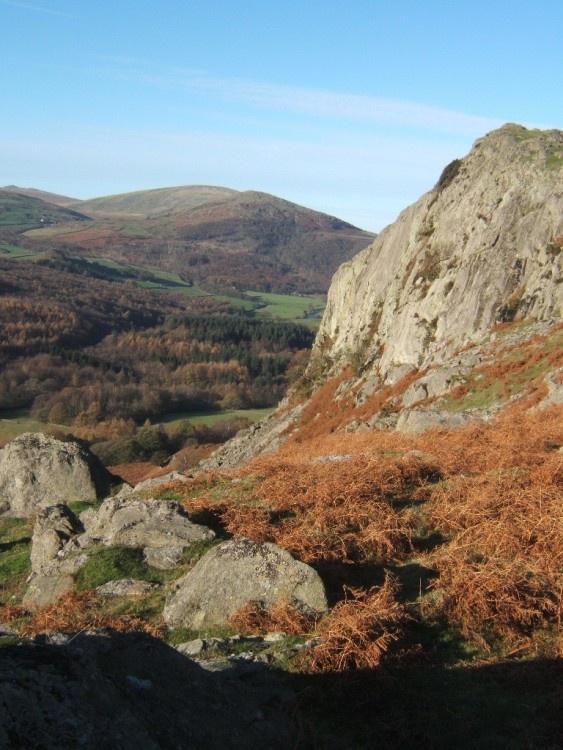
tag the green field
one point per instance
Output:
(299, 309)
(15, 251)
(210, 418)
(18, 421)
(289, 306)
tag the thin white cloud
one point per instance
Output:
(37, 8)
(318, 103)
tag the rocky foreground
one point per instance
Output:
(124, 690)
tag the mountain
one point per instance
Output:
(467, 279)
(416, 466)
(245, 239)
(160, 200)
(58, 200)
(212, 236)
(270, 228)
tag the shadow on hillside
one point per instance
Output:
(513, 706)
(103, 687)
(414, 579)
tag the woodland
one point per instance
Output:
(101, 358)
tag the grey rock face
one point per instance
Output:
(435, 383)
(37, 471)
(53, 580)
(149, 484)
(54, 558)
(417, 420)
(59, 549)
(54, 527)
(235, 573)
(142, 522)
(163, 558)
(264, 437)
(480, 248)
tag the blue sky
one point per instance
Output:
(349, 108)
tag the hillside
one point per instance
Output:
(19, 212)
(413, 476)
(97, 356)
(418, 465)
(482, 248)
(212, 236)
(58, 200)
(416, 318)
(161, 200)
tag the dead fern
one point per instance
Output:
(283, 616)
(359, 631)
(74, 612)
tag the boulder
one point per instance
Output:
(143, 522)
(163, 558)
(152, 482)
(265, 436)
(436, 383)
(418, 420)
(37, 471)
(54, 555)
(238, 572)
(52, 581)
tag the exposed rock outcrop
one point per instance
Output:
(151, 483)
(60, 546)
(55, 558)
(263, 437)
(236, 573)
(125, 587)
(37, 471)
(145, 522)
(482, 247)
(54, 527)
(419, 305)
(53, 580)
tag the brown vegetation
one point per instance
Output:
(282, 617)
(72, 613)
(359, 631)
(478, 510)
(101, 357)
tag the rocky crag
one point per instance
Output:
(421, 304)
(482, 247)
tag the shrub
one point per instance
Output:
(449, 173)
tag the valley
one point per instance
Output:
(66, 312)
